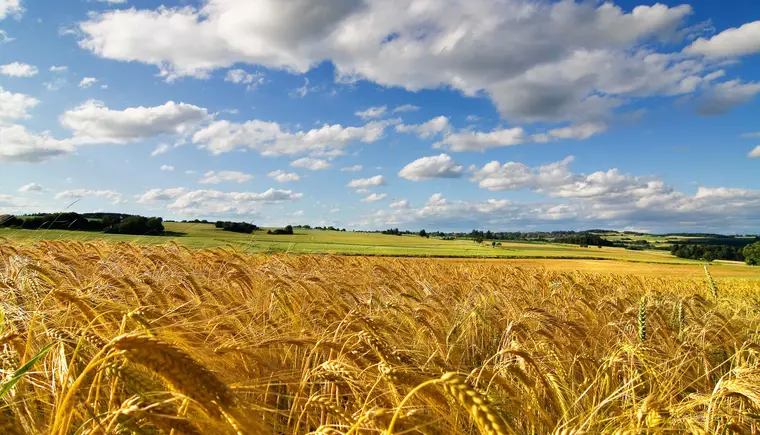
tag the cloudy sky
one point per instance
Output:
(442, 114)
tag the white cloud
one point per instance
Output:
(406, 108)
(190, 172)
(167, 168)
(751, 135)
(269, 138)
(17, 69)
(20, 145)
(113, 197)
(212, 177)
(754, 153)
(10, 7)
(724, 96)
(354, 168)
(515, 176)
(428, 129)
(161, 149)
(93, 122)
(548, 61)
(375, 197)
(363, 191)
(473, 118)
(579, 131)
(468, 140)
(311, 164)
(427, 168)
(31, 187)
(730, 42)
(281, 176)
(377, 180)
(87, 82)
(214, 202)
(61, 68)
(303, 90)
(15, 106)
(400, 204)
(240, 76)
(372, 112)
(113, 2)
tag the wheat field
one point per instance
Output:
(102, 338)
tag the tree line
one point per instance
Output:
(111, 223)
(750, 254)
(236, 227)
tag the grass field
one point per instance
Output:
(372, 244)
(102, 338)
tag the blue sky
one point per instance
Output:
(369, 114)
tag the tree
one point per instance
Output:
(423, 233)
(709, 256)
(752, 254)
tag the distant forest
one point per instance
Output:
(111, 223)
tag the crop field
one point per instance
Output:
(357, 243)
(100, 338)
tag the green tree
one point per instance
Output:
(752, 254)
(423, 233)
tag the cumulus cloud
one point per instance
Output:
(215, 203)
(17, 69)
(724, 96)
(354, 168)
(93, 122)
(469, 140)
(15, 106)
(59, 68)
(426, 130)
(754, 153)
(9, 8)
(112, 196)
(400, 204)
(363, 183)
(375, 197)
(428, 168)
(372, 112)
(549, 61)
(240, 76)
(649, 205)
(31, 187)
(311, 164)
(406, 108)
(212, 177)
(281, 176)
(730, 42)
(87, 82)
(269, 138)
(167, 168)
(579, 131)
(20, 145)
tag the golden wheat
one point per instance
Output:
(163, 339)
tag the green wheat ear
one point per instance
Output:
(711, 282)
(642, 319)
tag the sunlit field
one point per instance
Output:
(355, 243)
(123, 338)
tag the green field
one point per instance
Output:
(353, 243)
(553, 256)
